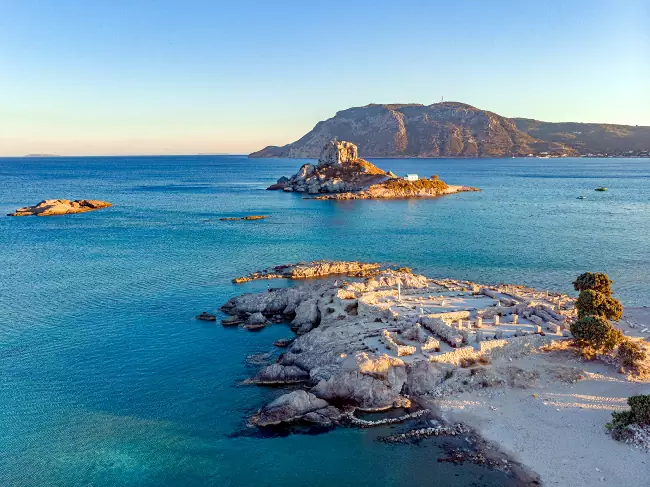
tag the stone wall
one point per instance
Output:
(439, 327)
(455, 357)
(451, 315)
(393, 343)
(494, 349)
(431, 345)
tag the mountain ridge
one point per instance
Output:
(455, 129)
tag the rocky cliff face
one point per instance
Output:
(446, 129)
(339, 169)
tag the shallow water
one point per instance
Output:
(105, 378)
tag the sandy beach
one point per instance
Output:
(557, 429)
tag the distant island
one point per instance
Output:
(451, 129)
(41, 155)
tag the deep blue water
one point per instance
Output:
(106, 379)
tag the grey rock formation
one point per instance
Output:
(424, 377)
(295, 406)
(368, 382)
(256, 319)
(339, 169)
(280, 374)
(335, 152)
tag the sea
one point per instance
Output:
(106, 378)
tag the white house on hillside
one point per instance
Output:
(412, 177)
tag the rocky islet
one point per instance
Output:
(341, 174)
(60, 207)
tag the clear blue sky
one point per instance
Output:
(163, 76)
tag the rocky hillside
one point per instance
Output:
(588, 138)
(446, 129)
(453, 129)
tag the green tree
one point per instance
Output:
(596, 281)
(593, 303)
(596, 332)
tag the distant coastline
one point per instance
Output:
(41, 155)
(457, 130)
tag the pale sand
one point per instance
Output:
(569, 447)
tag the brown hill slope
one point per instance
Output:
(446, 129)
(589, 137)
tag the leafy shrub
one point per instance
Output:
(640, 408)
(639, 413)
(596, 332)
(596, 281)
(594, 303)
(630, 353)
(435, 176)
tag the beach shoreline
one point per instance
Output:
(557, 429)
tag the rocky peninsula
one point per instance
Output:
(60, 207)
(399, 340)
(341, 174)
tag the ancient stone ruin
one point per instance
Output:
(373, 344)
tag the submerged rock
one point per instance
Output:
(237, 218)
(283, 342)
(206, 317)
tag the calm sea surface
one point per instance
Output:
(106, 378)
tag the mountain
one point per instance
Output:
(451, 129)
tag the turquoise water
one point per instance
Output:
(106, 379)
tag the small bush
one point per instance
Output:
(639, 413)
(630, 354)
(596, 281)
(596, 332)
(594, 303)
(435, 176)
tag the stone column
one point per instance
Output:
(514, 319)
(496, 319)
(479, 322)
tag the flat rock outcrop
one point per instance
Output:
(60, 207)
(398, 188)
(317, 268)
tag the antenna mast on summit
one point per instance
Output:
(442, 99)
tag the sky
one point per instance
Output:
(207, 76)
